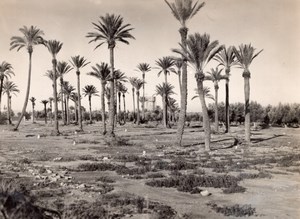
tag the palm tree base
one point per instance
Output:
(15, 129)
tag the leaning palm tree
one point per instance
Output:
(5, 73)
(67, 90)
(143, 67)
(245, 55)
(215, 75)
(165, 90)
(31, 36)
(62, 69)
(132, 82)
(90, 90)
(78, 63)
(45, 109)
(227, 60)
(138, 83)
(183, 10)
(9, 88)
(102, 72)
(165, 65)
(54, 47)
(33, 99)
(198, 53)
(110, 30)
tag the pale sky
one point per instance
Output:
(272, 25)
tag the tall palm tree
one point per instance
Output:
(5, 73)
(51, 99)
(31, 36)
(165, 90)
(183, 10)
(178, 62)
(215, 75)
(143, 67)
(138, 83)
(78, 63)
(110, 30)
(9, 88)
(132, 82)
(227, 60)
(90, 90)
(74, 98)
(54, 47)
(198, 52)
(67, 90)
(102, 72)
(45, 109)
(245, 55)
(62, 69)
(165, 64)
(33, 99)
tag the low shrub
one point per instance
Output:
(235, 210)
(96, 167)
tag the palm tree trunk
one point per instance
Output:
(1, 88)
(103, 107)
(27, 92)
(8, 109)
(54, 62)
(62, 100)
(183, 102)
(32, 112)
(138, 107)
(133, 105)
(247, 108)
(216, 109)
(227, 117)
(165, 116)
(166, 77)
(124, 104)
(79, 102)
(143, 103)
(119, 116)
(45, 112)
(112, 96)
(76, 112)
(179, 80)
(67, 110)
(206, 123)
(51, 112)
(90, 104)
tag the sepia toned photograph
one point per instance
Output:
(149, 109)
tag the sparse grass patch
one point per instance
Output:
(234, 210)
(96, 167)
(117, 141)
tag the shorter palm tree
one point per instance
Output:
(5, 73)
(9, 88)
(165, 64)
(165, 90)
(124, 91)
(178, 62)
(51, 99)
(132, 81)
(143, 67)
(74, 98)
(90, 90)
(206, 91)
(68, 90)
(32, 99)
(45, 109)
(138, 83)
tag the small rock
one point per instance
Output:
(81, 186)
(57, 159)
(205, 193)
(49, 171)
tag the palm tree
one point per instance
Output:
(62, 69)
(90, 90)
(54, 47)
(206, 92)
(32, 99)
(124, 91)
(138, 83)
(226, 59)
(165, 90)
(78, 63)
(165, 65)
(173, 107)
(132, 82)
(45, 109)
(198, 53)
(67, 90)
(110, 30)
(143, 67)
(183, 10)
(9, 88)
(245, 55)
(119, 78)
(74, 98)
(178, 62)
(215, 75)
(51, 99)
(102, 72)
(5, 73)
(32, 36)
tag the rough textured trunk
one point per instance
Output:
(103, 108)
(119, 115)
(227, 116)
(143, 103)
(183, 102)
(124, 104)
(79, 101)
(76, 112)
(165, 112)
(134, 120)
(179, 81)
(33, 113)
(166, 77)
(112, 96)
(56, 130)
(9, 108)
(62, 101)
(138, 107)
(45, 112)
(1, 88)
(67, 110)
(51, 112)
(247, 106)
(90, 106)
(216, 109)
(27, 92)
(206, 123)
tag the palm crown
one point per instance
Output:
(90, 90)
(5, 70)
(10, 87)
(144, 67)
(78, 62)
(110, 29)
(226, 58)
(138, 83)
(102, 72)
(67, 88)
(164, 89)
(206, 92)
(63, 68)
(165, 64)
(53, 47)
(215, 75)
